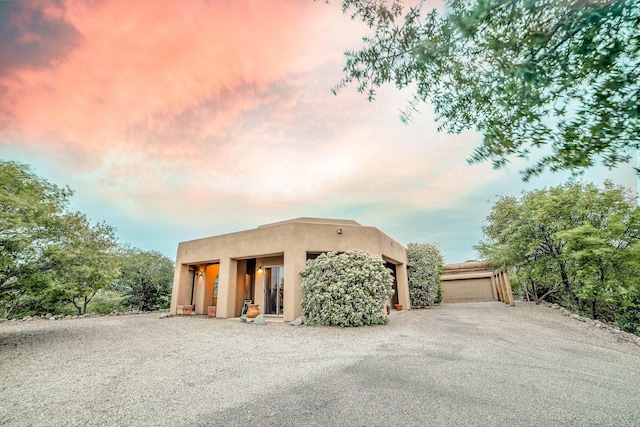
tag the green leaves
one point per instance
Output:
(32, 214)
(575, 243)
(423, 271)
(554, 79)
(348, 289)
(87, 261)
(52, 257)
(146, 278)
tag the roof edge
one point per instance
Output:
(309, 220)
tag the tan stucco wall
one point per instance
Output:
(467, 282)
(285, 243)
(467, 290)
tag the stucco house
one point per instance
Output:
(263, 265)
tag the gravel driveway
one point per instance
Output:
(456, 364)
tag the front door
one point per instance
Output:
(274, 290)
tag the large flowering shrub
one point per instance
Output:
(425, 263)
(348, 289)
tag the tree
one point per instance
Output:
(425, 264)
(32, 214)
(555, 79)
(89, 261)
(601, 257)
(147, 277)
(575, 240)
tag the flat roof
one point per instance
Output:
(308, 220)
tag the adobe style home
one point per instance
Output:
(263, 265)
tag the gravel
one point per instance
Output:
(468, 364)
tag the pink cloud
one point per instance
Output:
(143, 64)
(202, 109)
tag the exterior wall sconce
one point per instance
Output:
(339, 230)
(201, 272)
(260, 269)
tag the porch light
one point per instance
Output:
(201, 272)
(339, 230)
(260, 269)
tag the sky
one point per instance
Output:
(174, 120)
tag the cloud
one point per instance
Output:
(194, 118)
(143, 66)
(34, 34)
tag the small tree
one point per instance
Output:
(425, 263)
(146, 279)
(88, 262)
(348, 289)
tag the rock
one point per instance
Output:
(3, 320)
(615, 331)
(259, 320)
(297, 322)
(74, 316)
(556, 306)
(165, 315)
(52, 318)
(26, 318)
(48, 315)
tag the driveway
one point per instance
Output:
(456, 364)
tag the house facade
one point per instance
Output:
(263, 265)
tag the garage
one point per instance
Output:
(474, 282)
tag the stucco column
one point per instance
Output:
(227, 288)
(495, 281)
(403, 286)
(181, 287)
(294, 261)
(201, 286)
(507, 283)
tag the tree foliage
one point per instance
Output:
(32, 212)
(575, 243)
(88, 264)
(557, 80)
(53, 259)
(348, 289)
(147, 277)
(423, 271)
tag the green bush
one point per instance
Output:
(348, 289)
(108, 302)
(628, 316)
(425, 263)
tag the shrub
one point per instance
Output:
(107, 302)
(628, 317)
(425, 263)
(348, 289)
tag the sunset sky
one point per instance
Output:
(174, 120)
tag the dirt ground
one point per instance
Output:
(455, 364)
